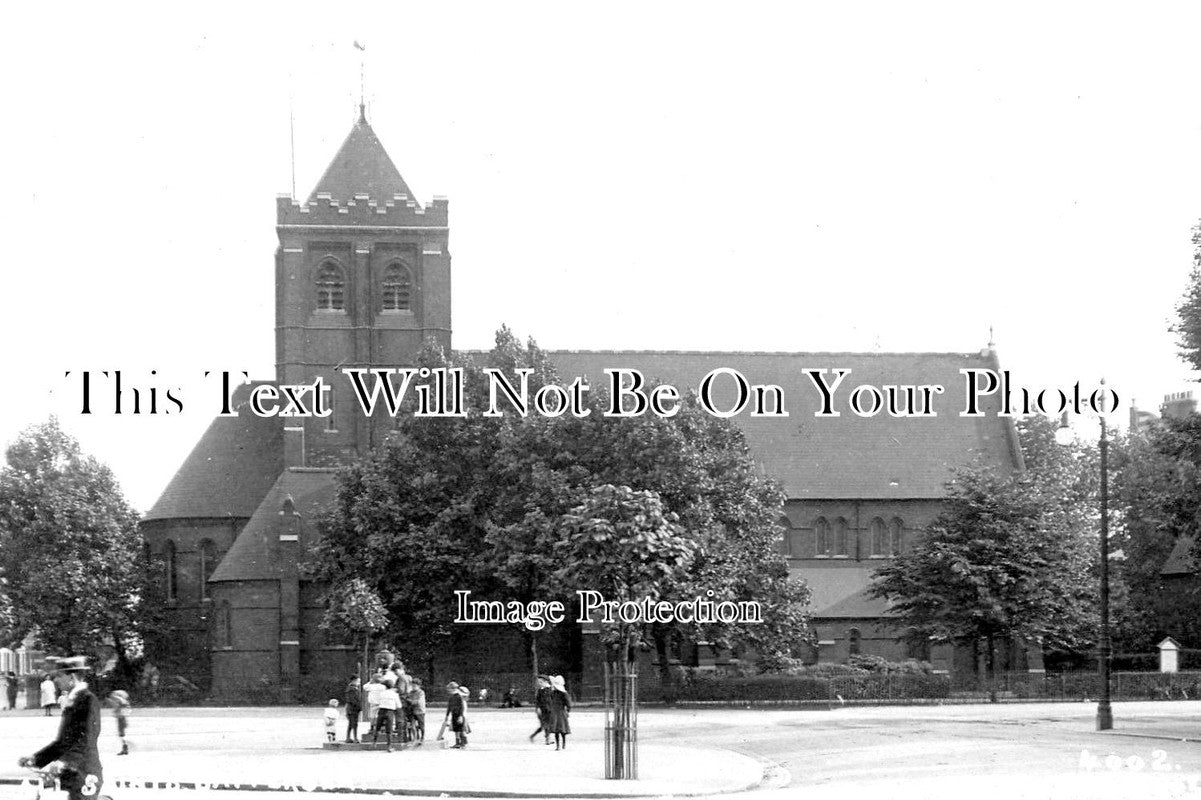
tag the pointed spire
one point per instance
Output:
(361, 167)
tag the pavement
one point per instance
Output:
(280, 749)
(954, 751)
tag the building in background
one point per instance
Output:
(363, 278)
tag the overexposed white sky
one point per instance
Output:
(766, 176)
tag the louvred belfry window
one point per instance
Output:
(397, 288)
(331, 288)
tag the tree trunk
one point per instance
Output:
(666, 689)
(991, 660)
(534, 657)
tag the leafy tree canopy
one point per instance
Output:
(71, 569)
(1188, 312)
(480, 502)
(1156, 496)
(1011, 555)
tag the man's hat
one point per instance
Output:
(70, 663)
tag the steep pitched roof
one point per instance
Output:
(228, 471)
(252, 556)
(881, 457)
(361, 167)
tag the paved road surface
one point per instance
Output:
(1027, 750)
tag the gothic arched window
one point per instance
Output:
(208, 562)
(397, 288)
(821, 530)
(895, 528)
(331, 288)
(880, 542)
(172, 571)
(853, 638)
(785, 536)
(842, 538)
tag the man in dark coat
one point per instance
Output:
(74, 755)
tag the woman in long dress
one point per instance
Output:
(559, 711)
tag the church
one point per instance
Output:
(362, 279)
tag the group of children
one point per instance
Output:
(394, 702)
(395, 699)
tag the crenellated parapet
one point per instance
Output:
(362, 210)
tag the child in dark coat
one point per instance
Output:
(560, 709)
(542, 709)
(456, 713)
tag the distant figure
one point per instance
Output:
(416, 709)
(119, 700)
(330, 717)
(509, 698)
(5, 705)
(456, 713)
(389, 704)
(354, 706)
(560, 709)
(13, 681)
(49, 695)
(542, 708)
(482, 696)
(374, 689)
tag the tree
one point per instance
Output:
(1188, 312)
(1156, 496)
(700, 468)
(353, 606)
(625, 545)
(449, 503)
(411, 518)
(1009, 557)
(70, 552)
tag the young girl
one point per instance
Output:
(331, 721)
(560, 708)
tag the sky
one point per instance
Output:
(683, 176)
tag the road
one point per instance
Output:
(976, 751)
(1037, 750)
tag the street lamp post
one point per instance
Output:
(1104, 649)
(1104, 710)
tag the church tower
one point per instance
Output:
(362, 280)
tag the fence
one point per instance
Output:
(899, 687)
(1086, 685)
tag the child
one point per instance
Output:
(542, 709)
(416, 709)
(331, 721)
(389, 703)
(354, 705)
(121, 708)
(560, 708)
(49, 695)
(456, 713)
(374, 689)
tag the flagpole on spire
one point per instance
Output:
(362, 80)
(292, 131)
